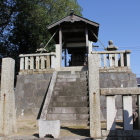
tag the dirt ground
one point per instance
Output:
(29, 129)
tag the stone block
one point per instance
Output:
(103, 101)
(47, 76)
(118, 101)
(103, 75)
(113, 76)
(132, 84)
(77, 110)
(29, 78)
(124, 83)
(132, 76)
(49, 127)
(39, 92)
(122, 76)
(40, 76)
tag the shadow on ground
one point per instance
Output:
(78, 131)
(36, 135)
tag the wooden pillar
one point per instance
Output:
(87, 42)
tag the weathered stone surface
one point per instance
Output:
(127, 113)
(120, 91)
(30, 91)
(94, 95)
(120, 133)
(48, 97)
(49, 127)
(7, 100)
(77, 110)
(111, 112)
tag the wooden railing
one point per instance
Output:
(36, 61)
(114, 58)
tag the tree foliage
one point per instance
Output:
(28, 20)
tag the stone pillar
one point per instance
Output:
(53, 59)
(127, 113)
(90, 47)
(7, 100)
(94, 95)
(111, 112)
(58, 56)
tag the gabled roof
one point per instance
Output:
(74, 21)
(72, 18)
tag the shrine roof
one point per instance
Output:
(74, 23)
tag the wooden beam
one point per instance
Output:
(73, 30)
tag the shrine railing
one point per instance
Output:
(113, 58)
(36, 61)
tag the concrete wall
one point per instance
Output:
(117, 80)
(30, 92)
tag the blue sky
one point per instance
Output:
(119, 21)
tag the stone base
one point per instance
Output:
(49, 127)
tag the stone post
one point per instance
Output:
(127, 113)
(94, 95)
(53, 59)
(111, 112)
(7, 100)
(58, 56)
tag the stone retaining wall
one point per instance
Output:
(30, 92)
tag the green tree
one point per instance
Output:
(23, 24)
(33, 17)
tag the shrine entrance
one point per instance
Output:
(78, 57)
(74, 36)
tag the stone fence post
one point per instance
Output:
(94, 95)
(7, 98)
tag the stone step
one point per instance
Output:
(69, 104)
(68, 117)
(65, 76)
(70, 98)
(71, 79)
(71, 88)
(74, 123)
(69, 110)
(69, 93)
(69, 84)
(72, 72)
(72, 76)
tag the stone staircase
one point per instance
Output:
(70, 99)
